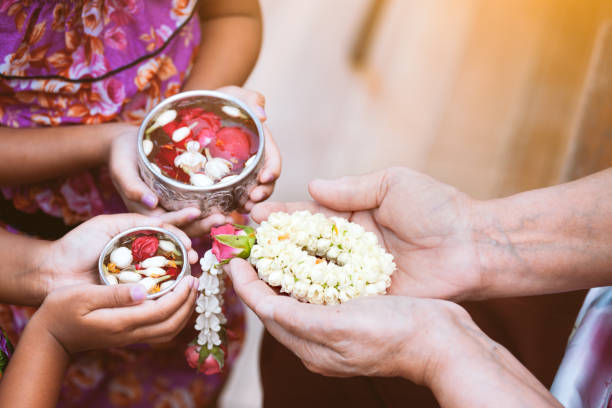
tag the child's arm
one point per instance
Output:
(38, 154)
(86, 317)
(33, 377)
(231, 39)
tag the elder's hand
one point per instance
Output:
(372, 336)
(86, 317)
(73, 259)
(426, 225)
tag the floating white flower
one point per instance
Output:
(122, 257)
(162, 120)
(190, 162)
(147, 146)
(217, 168)
(180, 133)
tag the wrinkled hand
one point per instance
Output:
(424, 224)
(86, 317)
(138, 197)
(372, 336)
(73, 259)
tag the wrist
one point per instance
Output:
(39, 331)
(113, 131)
(37, 280)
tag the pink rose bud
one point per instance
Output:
(230, 241)
(210, 366)
(192, 356)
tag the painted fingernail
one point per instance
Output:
(267, 177)
(193, 215)
(260, 112)
(149, 200)
(138, 293)
(194, 283)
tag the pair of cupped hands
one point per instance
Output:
(82, 315)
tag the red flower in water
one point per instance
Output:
(165, 161)
(189, 114)
(206, 126)
(144, 247)
(173, 271)
(231, 143)
(171, 127)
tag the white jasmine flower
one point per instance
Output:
(208, 260)
(232, 111)
(190, 162)
(147, 146)
(163, 119)
(122, 257)
(217, 168)
(167, 246)
(320, 260)
(153, 271)
(129, 277)
(180, 133)
(200, 180)
(157, 261)
(165, 285)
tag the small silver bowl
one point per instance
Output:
(223, 197)
(112, 244)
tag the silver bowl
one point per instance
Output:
(112, 244)
(223, 197)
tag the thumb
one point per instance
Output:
(102, 296)
(352, 193)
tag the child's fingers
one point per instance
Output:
(181, 217)
(272, 162)
(203, 226)
(255, 100)
(167, 329)
(150, 311)
(116, 296)
(180, 234)
(261, 192)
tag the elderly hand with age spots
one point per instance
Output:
(431, 342)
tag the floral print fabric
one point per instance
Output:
(86, 62)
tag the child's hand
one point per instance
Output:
(272, 164)
(138, 197)
(86, 317)
(73, 259)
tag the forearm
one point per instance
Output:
(34, 375)
(231, 39)
(38, 154)
(22, 278)
(545, 241)
(482, 373)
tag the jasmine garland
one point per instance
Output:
(320, 260)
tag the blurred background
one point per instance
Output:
(493, 97)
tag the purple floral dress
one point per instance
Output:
(87, 62)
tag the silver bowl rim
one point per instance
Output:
(215, 94)
(110, 244)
